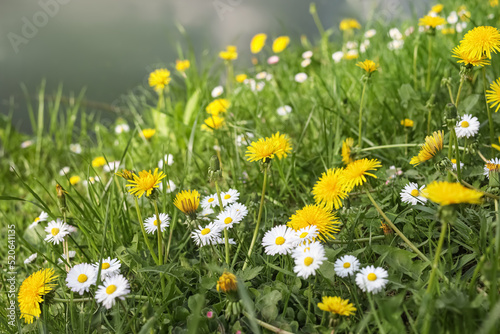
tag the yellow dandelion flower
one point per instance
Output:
(262, 149)
(227, 282)
(213, 123)
(257, 43)
(98, 162)
(74, 179)
(145, 182)
(355, 173)
(463, 13)
(446, 193)
(148, 133)
(466, 58)
(325, 220)
(187, 201)
(182, 65)
(229, 54)
(329, 190)
(431, 21)
(31, 292)
(159, 79)
(433, 144)
(481, 41)
(337, 305)
(368, 65)
(346, 151)
(437, 8)
(351, 54)
(493, 95)
(407, 123)
(280, 44)
(448, 31)
(493, 3)
(283, 145)
(241, 77)
(217, 106)
(349, 24)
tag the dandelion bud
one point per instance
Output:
(450, 112)
(214, 170)
(61, 197)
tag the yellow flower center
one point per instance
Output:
(156, 222)
(347, 265)
(308, 261)
(227, 196)
(82, 278)
(453, 161)
(105, 265)
(205, 231)
(464, 124)
(110, 289)
(414, 192)
(371, 277)
(228, 220)
(280, 241)
(54, 231)
(303, 235)
(210, 200)
(37, 219)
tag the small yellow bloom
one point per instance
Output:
(448, 31)
(463, 13)
(329, 190)
(495, 146)
(241, 77)
(257, 43)
(347, 146)
(229, 54)
(407, 123)
(493, 3)
(217, 106)
(213, 123)
(319, 216)
(431, 21)
(265, 149)
(337, 305)
(437, 8)
(283, 145)
(31, 292)
(98, 162)
(74, 179)
(467, 58)
(227, 283)
(159, 79)
(368, 65)
(187, 201)
(148, 133)
(354, 174)
(446, 193)
(280, 44)
(349, 24)
(145, 182)
(433, 144)
(182, 65)
(481, 41)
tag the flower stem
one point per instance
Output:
(398, 232)
(266, 325)
(457, 155)
(429, 64)
(259, 216)
(158, 222)
(437, 256)
(88, 299)
(462, 79)
(226, 237)
(174, 220)
(153, 255)
(375, 314)
(490, 118)
(415, 55)
(360, 125)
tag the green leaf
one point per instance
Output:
(401, 260)
(250, 273)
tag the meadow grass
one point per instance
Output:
(442, 260)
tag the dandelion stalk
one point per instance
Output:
(174, 219)
(437, 255)
(226, 237)
(457, 155)
(415, 55)
(158, 222)
(490, 118)
(462, 79)
(375, 314)
(360, 125)
(259, 216)
(429, 64)
(266, 325)
(141, 223)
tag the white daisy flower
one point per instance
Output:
(306, 62)
(411, 194)
(284, 110)
(461, 26)
(91, 180)
(75, 148)
(151, 223)
(170, 186)
(273, 60)
(206, 235)
(337, 56)
(468, 126)
(72, 229)
(394, 33)
(63, 256)
(41, 218)
(269, 77)
(112, 166)
(241, 209)
(109, 267)
(244, 139)
(452, 18)
(494, 166)
(210, 201)
(217, 91)
(346, 265)
(351, 45)
(31, 258)
(396, 45)
(81, 277)
(122, 127)
(409, 31)
(222, 241)
(228, 217)
(205, 213)
(26, 143)
(454, 164)
(307, 54)
(370, 33)
(300, 77)
(113, 287)
(306, 234)
(279, 240)
(167, 159)
(372, 279)
(352, 53)
(56, 230)
(260, 86)
(64, 171)
(261, 75)
(229, 197)
(308, 258)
